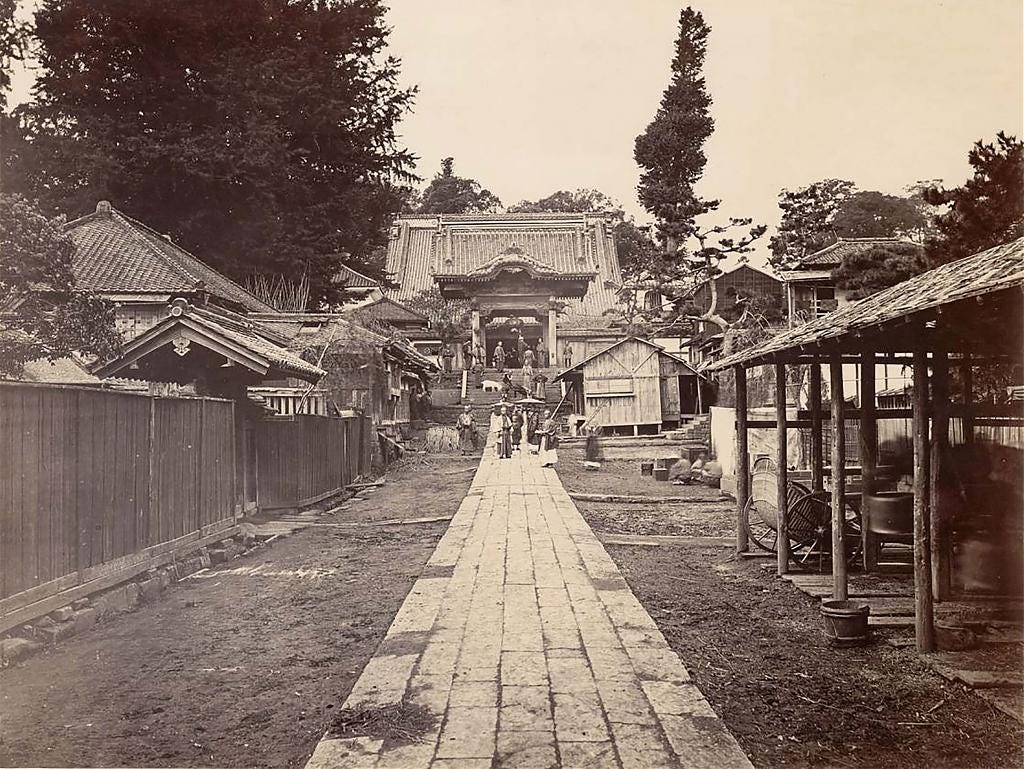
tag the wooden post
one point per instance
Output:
(868, 453)
(924, 629)
(553, 336)
(817, 481)
(939, 529)
(476, 329)
(782, 469)
(968, 419)
(839, 577)
(742, 461)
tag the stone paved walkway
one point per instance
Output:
(526, 643)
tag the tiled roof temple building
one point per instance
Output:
(556, 272)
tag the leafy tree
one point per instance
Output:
(879, 267)
(671, 153)
(451, 194)
(671, 149)
(807, 215)
(986, 210)
(870, 214)
(14, 35)
(448, 317)
(634, 247)
(563, 201)
(46, 317)
(259, 133)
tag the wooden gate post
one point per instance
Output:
(782, 470)
(742, 461)
(924, 629)
(817, 479)
(868, 451)
(839, 576)
(939, 528)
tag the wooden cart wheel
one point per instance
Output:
(759, 531)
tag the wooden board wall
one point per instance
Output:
(306, 457)
(625, 384)
(90, 476)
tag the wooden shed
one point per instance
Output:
(634, 386)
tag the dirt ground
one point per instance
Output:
(754, 646)
(233, 669)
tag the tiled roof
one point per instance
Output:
(349, 278)
(307, 330)
(303, 331)
(832, 255)
(424, 246)
(389, 311)
(996, 269)
(264, 346)
(116, 254)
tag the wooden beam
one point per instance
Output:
(817, 479)
(924, 628)
(868, 452)
(968, 377)
(742, 462)
(839, 578)
(939, 519)
(782, 469)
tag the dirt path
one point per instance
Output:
(233, 669)
(753, 644)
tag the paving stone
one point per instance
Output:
(641, 747)
(570, 674)
(525, 708)
(579, 717)
(524, 669)
(625, 703)
(468, 733)
(703, 743)
(347, 753)
(610, 664)
(657, 664)
(526, 750)
(474, 694)
(587, 755)
(677, 699)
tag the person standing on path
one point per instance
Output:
(447, 353)
(467, 355)
(504, 434)
(466, 425)
(521, 349)
(567, 356)
(499, 357)
(542, 353)
(517, 428)
(540, 387)
(548, 441)
(528, 359)
(479, 357)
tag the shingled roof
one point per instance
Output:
(578, 244)
(832, 255)
(116, 254)
(349, 278)
(995, 270)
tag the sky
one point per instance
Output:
(533, 96)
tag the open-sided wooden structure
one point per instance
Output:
(965, 315)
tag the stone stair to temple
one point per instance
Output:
(482, 400)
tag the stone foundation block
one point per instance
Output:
(63, 614)
(15, 649)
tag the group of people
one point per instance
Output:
(474, 357)
(509, 429)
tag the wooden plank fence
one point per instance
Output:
(95, 483)
(304, 458)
